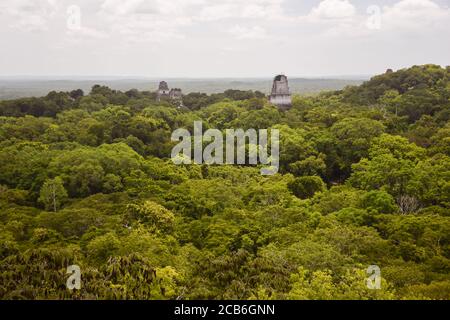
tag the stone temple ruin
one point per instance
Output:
(175, 94)
(163, 90)
(165, 93)
(280, 95)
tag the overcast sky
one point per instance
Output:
(220, 38)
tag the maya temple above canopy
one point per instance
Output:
(165, 93)
(280, 95)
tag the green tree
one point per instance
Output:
(152, 213)
(53, 194)
(306, 187)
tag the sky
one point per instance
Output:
(220, 38)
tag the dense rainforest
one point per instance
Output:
(87, 180)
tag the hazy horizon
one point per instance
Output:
(162, 77)
(20, 87)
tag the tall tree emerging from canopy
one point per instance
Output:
(53, 194)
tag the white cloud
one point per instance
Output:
(143, 28)
(143, 19)
(334, 18)
(162, 19)
(250, 9)
(146, 21)
(217, 12)
(29, 15)
(120, 7)
(86, 32)
(414, 15)
(255, 32)
(413, 29)
(341, 19)
(333, 9)
(148, 7)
